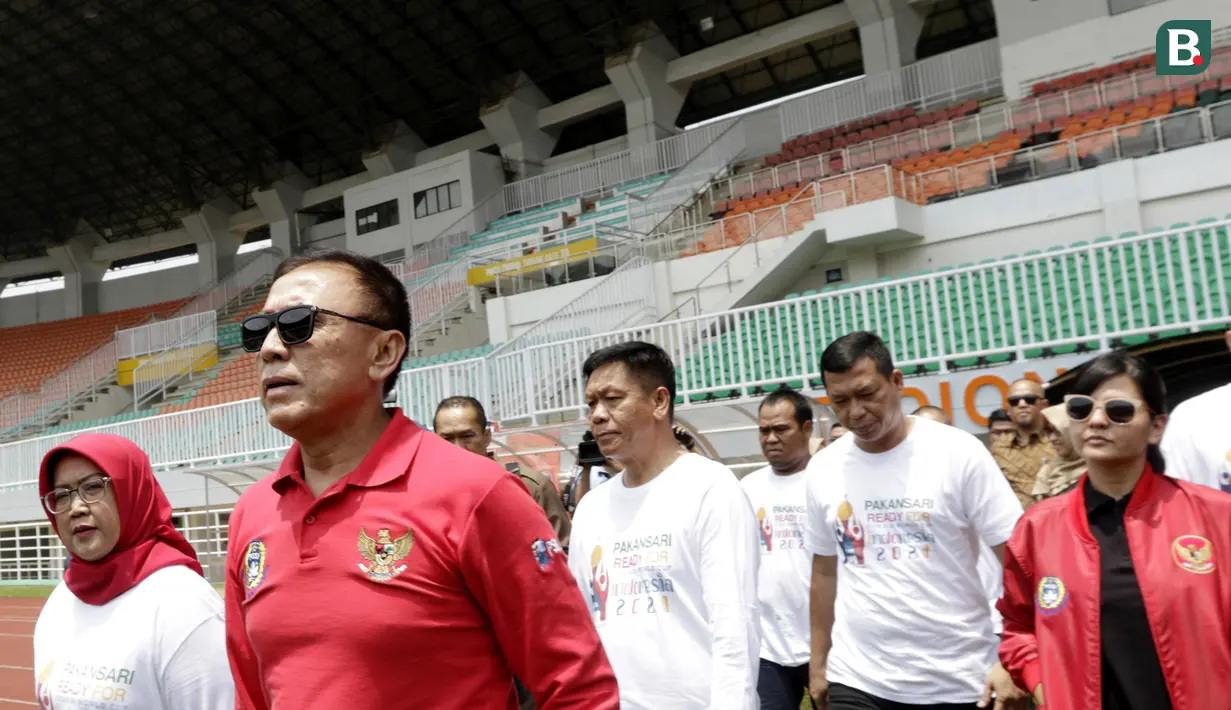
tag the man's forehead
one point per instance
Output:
(1027, 386)
(777, 413)
(324, 285)
(457, 418)
(612, 376)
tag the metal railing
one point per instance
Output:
(84, 378)
(611, 171)
(956, 133)
(1131, 140)
(250, 270)
(773, 223)
(158, 336)
(622, 298)
(961, 74)
(180, 361)
(657, 209)
(592, 179)
(433, 300)
(420, 390)
(1090, 295)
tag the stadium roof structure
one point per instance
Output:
(129, 114)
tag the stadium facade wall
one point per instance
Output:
(113, 295)
(480, 175)
(1043, 39)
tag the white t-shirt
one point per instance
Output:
(159, 646)
(786, 567)
(669, 569)
(991, 575)
(911, 617)
(1197, 442)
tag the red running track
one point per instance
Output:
(17, 617)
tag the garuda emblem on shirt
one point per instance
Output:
(384, 553)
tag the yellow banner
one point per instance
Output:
(555, 256)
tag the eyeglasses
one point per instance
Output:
(295, 325)
(1079, 407)
(60, 500)
(1030, 399)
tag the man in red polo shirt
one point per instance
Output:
(381, 567)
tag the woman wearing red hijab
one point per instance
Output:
(134, 624)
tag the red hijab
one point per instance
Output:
(148, 541)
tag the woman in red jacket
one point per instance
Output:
(1116, 594)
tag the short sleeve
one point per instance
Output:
(198, 676)
(1184, 460)
(988, 500)
(818, 537)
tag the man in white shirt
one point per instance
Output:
(777, 493)
(666, 551)
(1197, 443)
(991, 574)
(906, 502)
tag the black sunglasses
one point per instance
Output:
(295, 325)
(1079, 407)
(1030, 399)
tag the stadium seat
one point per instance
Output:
(46, 349)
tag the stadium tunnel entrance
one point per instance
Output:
(1190, 364)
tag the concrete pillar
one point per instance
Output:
(210, 228)
(513, 122)
(651, 105)
(279, 203)
(82, 274)
(397, 151)
(888, 32)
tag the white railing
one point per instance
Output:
(159, 335)
(421, 389)
(611, 171)
(591, 179)
(963, 73)
(657, 210)
(251, 271)
(1090, 295)
(960, 132)
(956, 133)
(623, 295)
(773, 223)
(621, 299)
(85, 377)
(434, 300)
(1131, 140)
(180, 361)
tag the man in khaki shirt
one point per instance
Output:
(1022, 455)
(462, 422)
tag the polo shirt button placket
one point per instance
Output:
(307, 550)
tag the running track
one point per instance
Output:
(17, 652)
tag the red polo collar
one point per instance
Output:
(389, 459)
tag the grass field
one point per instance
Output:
(26, 592)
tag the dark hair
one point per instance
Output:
(802, 405)
(843, 353)
(462, 402)
(998, 415)
(647, 362)
(1142, 373)
(387, 300)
